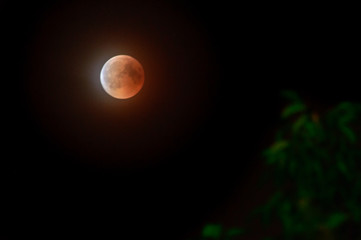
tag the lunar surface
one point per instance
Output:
(122, 76)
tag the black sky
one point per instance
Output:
(160, 163)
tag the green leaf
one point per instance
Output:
(346, 112)
(234, 232)
(212, 231)
(278, 146)
(342, 167)
(336, 220)
(286, 217)
(293, 109)
(346, 106)
(274, 153)
(348, 133)
(300, 122)
(311, 129)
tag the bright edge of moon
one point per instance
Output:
(122, 77)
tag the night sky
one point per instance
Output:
(161, 163)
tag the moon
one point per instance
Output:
(122, 77)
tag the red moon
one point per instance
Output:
(122, 76)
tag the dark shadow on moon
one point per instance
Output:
(126, 70)
(134, 74)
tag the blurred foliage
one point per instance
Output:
(212, 231)
(218, 232)
(315, 167)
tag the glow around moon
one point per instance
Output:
(122, 77)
